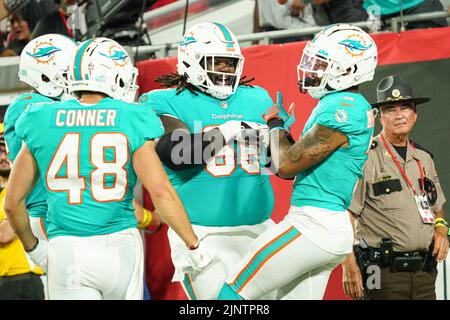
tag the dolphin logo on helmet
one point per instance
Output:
(355, 44)
(187, 40)
(44, 52)
(103, 65)
(116, 56)
(44, 62)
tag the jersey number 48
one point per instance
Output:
(68, 155)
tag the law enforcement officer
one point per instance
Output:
(397, 208)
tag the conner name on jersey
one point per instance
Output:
(86, 118)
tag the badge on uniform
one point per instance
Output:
(424, 209)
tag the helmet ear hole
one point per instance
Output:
(45, 78)
(121, 83)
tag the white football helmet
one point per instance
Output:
(201, 45)
(44, 63)
(339, 57)
(103, 65)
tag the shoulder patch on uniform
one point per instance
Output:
(341, 115)
(373, 145)
(143, 99)
(418, 146)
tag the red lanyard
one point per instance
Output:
(64, 20)
(401, 169)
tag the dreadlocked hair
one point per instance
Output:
(175, 79)
(181, 83)
(245, 82)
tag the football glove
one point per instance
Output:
(257, 131)
(278, 110)
(230, 129)
(39, 254)
(198, 258)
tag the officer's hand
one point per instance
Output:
(440, 243)
(352, 278)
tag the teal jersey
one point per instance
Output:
(385, 7)
(84, 156)
(232, 188)
(36, 203)
(330, 183)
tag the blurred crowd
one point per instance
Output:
(40, 17)
(36, 18)
(270, 15)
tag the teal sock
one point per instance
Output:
(227, 293)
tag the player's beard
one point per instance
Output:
(4, 173)
(220, 79)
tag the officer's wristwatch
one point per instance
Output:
(441, 222)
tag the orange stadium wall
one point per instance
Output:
(422, 56)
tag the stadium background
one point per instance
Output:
(421, 56)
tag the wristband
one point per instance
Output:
(276, 129)
(440, 225)
(275, 122)
(35, 246)
(441, 221)
(148, 217)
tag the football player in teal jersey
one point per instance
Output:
(218, 174)
(43, 66)
(298, 255)
(89, 154)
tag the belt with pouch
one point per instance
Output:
(412, 261)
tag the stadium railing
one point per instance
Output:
(397, 24)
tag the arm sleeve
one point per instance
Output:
(158, 101)
(22, 127)
(13, 142)
(14, 111)
(178, 151)
(147, 126)
(346, 120)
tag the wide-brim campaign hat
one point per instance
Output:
(394, 89)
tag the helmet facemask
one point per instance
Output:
(340, 57)
(198, 54)
(218, 83)
(130, 89)
(314, 72)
